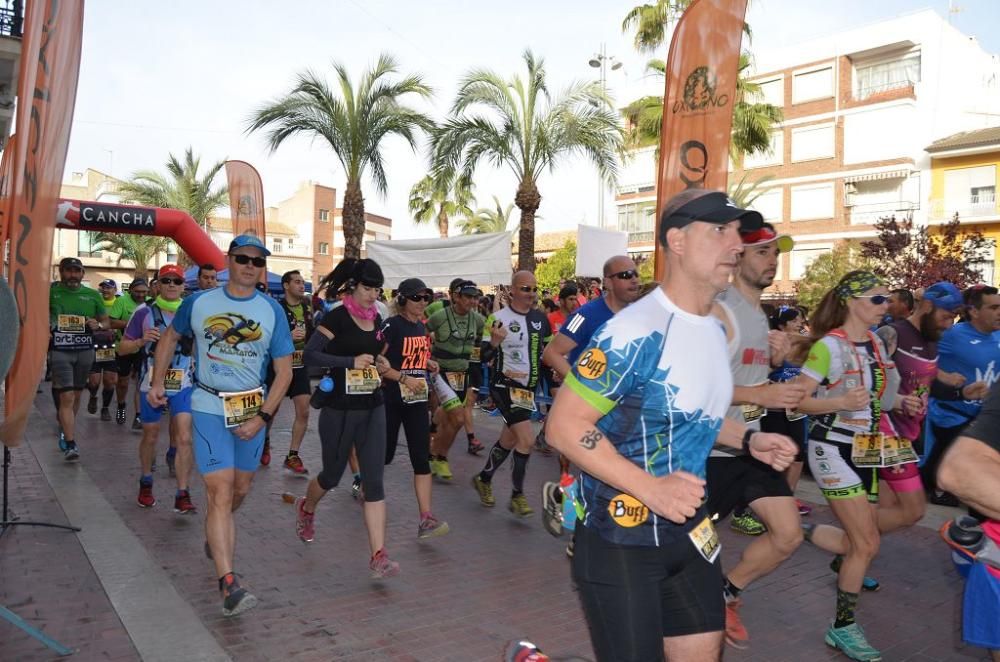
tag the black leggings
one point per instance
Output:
(413, 419)
(364, 429)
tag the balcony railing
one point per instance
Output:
(868, 214)
(971, 206)
(872, 90)
(11, 18)
(640, 237)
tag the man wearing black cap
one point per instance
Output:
(639, 413)
(455, 331)
(128, 365)
(75, 313)
(105, 368)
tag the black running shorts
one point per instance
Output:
(511, 415)
(634, 596)
(300, 381)
(738, 480)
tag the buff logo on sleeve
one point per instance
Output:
(592, 364)
(627, 511)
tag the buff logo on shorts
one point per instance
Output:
(627, 511)
(592, 364)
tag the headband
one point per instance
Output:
(857, 284)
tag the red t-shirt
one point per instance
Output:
(556, 320)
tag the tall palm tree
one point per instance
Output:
(441, 196)
(745, 191)
(487, 220)
(650, 22)
(137, 248)
(181, 188)
(515, 123)
(353, 120)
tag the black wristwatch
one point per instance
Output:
(746, 439)
(263, 414)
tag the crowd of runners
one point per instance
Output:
(672, 407)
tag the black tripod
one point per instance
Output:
(7, 519)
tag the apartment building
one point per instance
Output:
(860, 107)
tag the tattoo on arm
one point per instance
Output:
(590, 439)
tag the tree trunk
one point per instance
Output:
(353, 219)
(527, 200)
(443, 224)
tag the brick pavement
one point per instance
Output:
(459, 597)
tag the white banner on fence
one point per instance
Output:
(482, 258)
(594, 246)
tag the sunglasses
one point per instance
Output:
(419, 297)
(876, 299)
(625, 275)
(172, 281)
(258, 262)
(527, 288)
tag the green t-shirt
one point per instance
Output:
(454, 337)
(69, 333)
(434, 306)
(121, 309)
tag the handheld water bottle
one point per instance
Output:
(326, 384)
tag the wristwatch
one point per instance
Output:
(263, 414)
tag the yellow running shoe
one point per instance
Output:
(485, 491)
(519, 506)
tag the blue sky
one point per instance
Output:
(157, 77)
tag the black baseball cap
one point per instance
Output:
(707, 206)
(138, 281)
(68, 262)
(107, 282)
(468, 287)
(412, 286)
(455, 283)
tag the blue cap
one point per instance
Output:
(944, 295)
(248, 240)
(107, 282)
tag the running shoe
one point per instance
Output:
(120, 415)
(541, 445)
(62, 441)
(92, 404)
(171, 467)
(435, 466)
(519, 506)
(294, 464)
(552, 517)
(381, 566)
(146, 498)
(237, 599)
(524, 651)
(747, 524)
(265, 455)
(72, 452)
(431, 527)
(105, 414)
(304, 522)
(475, 446)
(868, 583)
(444, 469)
(736, 634)
(183, 504)
(804, 508)
(356, 489)
(485, 491)
(136, 423)
(851, 640)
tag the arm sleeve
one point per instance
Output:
(604, 375)
(315, 356)
(817, 365)
(182, 320)
(942, 391)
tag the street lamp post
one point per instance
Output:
(602, 61)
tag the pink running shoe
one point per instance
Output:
(304, 527)
(381, 566)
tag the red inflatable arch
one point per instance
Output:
(130, 219)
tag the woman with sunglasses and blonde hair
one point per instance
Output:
(856, 384)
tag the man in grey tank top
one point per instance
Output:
(736, 480)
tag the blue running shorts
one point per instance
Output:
(179, 403)
(217, 447)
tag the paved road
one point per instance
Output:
(460, 597)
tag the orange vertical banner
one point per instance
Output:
(702, 66)
(246, 198)
(6, 163)
(46, 94)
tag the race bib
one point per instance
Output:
(71, 324)
(896, 451)
(173, 380)
(751, 412)
(475, 355)
(522, 398)
(297, 358)
(866, 450)
(415, 390)
(456, 380)
(362, 382)
(706, 540)
(104, 355)
(241, 406)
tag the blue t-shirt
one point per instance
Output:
(234, 340)
(975, 356)
(583, 323)
(661, 378)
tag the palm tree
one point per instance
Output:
(650, 22)
(487, 220)
(745, 192)
(521, 127)
(353, 120)
(181, 188)
(441, 196)
(137, 248)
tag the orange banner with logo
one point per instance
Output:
(702, 66)
(46, 94)
(6, 163)
(246, 199)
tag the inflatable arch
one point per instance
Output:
(130, 219)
